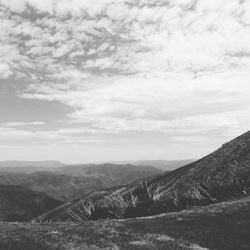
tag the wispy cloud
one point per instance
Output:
(21, 124)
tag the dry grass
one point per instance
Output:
(82, 212)
(219, 226)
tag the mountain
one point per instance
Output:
(21, 204)
(31, 164)
(164, 165)
(117, 174)
(70, 182)
(28, 166)
(221, 175)
(61, 187)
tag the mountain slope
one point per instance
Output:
(21, 204)
(223, 174)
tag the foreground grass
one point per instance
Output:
(220, 226)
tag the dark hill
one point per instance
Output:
(222, 175)
(21, 204)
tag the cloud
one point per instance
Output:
(169, 67)
(9, 134)
(5, 71)
(70, 74)
(173, 106)
(145, 37)
(21, 124)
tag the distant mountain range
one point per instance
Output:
(165, 165)
(29, 166)
(120, 191)
(33, 166)
(117, 174)
(221, 175)
(69, 182)
(51, 164)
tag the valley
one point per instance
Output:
(72, 181)
(202, 205)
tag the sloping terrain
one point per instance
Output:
(21, 204)
(222, 175)
(219, 226)
(78, 180)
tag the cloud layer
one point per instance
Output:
(126, 67)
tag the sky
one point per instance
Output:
(107, 80)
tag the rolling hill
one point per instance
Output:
(21, 204)
(221, 175)
(71, 182)
(61, 187)
(117, 174)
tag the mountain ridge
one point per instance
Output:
(71, 182)
(224, 174)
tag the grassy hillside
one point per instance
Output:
(219, 226)
(21, 204)
(222, 175)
